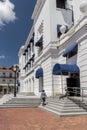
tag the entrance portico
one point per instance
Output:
(72, 81)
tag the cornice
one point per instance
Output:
(37, 8)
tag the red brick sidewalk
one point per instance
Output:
(37, 119)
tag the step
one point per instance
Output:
(31, 101)
(60, 101)
(63, 104)
(65, 107)
(23, 101)
(66, 110)
(57, 99)
(65, 114)
(17, 106)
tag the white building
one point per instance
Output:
(54, 55)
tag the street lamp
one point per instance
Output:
(15, 69)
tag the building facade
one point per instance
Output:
(6, 80)
(54, 55)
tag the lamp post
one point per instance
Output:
(8, 87)
(15, 69)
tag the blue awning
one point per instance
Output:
(32, 39)
(26, 50)
(64, 69)
(28, 62)
(58, 27)
(32, 58)
(33, 55)
(28, 46)
(73, 48)
(25, 66)
(39, 42)
(39, 73)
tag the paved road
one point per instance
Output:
(37, 119)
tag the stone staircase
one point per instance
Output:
(64, 107)
(21, 101)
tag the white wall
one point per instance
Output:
(47, 76)
(72, 60)
(76, 9)
(83, 62)
(44, 17)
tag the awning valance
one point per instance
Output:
(39, 42)
(64, 69)
(39, 73)
(73, 48)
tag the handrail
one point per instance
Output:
(76, 91)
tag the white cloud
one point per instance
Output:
(7, 13)
(2, 56)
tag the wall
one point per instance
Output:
(82, 61)
(76, 10)
(44, 18)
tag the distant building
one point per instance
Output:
(7, 80)
(54, 56)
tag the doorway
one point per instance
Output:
(73, 85)
(5, 91)
(40, 84)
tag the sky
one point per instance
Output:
(15, 24)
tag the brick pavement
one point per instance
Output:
(37, 119)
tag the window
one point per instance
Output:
(10, 75)
(10, 81)
(3, 80)
(4, 74)
(60, 3)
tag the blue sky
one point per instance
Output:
(15, 24)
